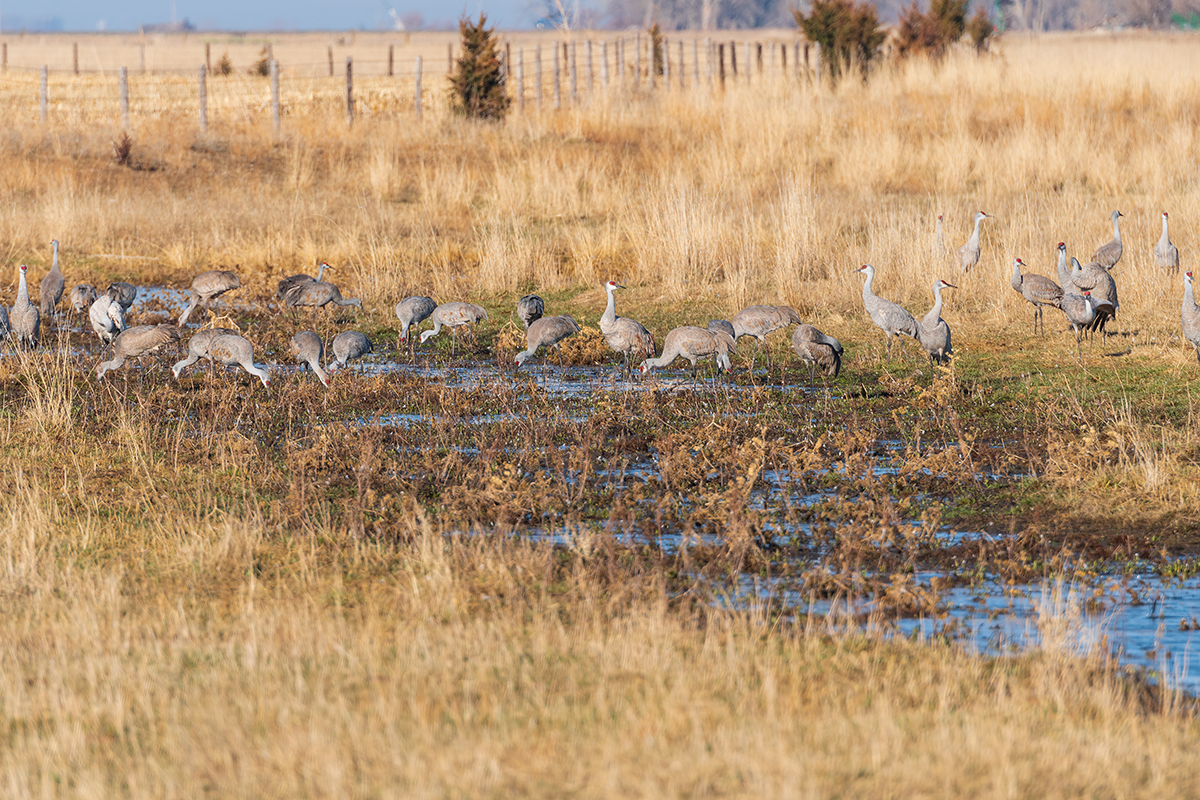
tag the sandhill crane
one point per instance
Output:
(349, 345)
(52, 286)
(1191, 314)
(530, 308)
(1081, 313)
(624, 335)
(412, 311)
(933, 332)
(1038, 290)
(136, 342)
(1093, 278)
(234, 350)
(758, 321)
(206, 287)
(454, 314)
(1166, 254)
(968, 254)
(82, 297)
(546, 332)
(817, 349)
(318, 294)
(198, 346)
(1108, 255)
(1063, 269)
(5, 328)
(292, 281)
(887, 316)
(722, 325)
(107, 318)
(124, 293)
(693, 343)
(25, 319)
(306, 348)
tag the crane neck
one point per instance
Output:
(1189, 298)
(610, 310)
(1165, 239)
(1117, 226)
(867, 291)
(54, 266)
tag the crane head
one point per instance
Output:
(1164, 215)
(23, 269)
(943, 285)
(939, 217)
(613, 285)
(1018, 262)
(1062, 246)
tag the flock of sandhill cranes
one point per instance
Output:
(1085, 293)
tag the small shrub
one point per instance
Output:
(263, 65)
(931, 34)
(121, 149)
(224, 66)
(848, 32)
(477, 82)
(656, 39)
(981, 30)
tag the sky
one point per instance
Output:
(118, 15)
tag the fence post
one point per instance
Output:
(123, 82)
(682, 71)
(796, 60)
(721, 62)
(817, 60)
(330, 51)
(349, 90)
(203, 97)
(507, 62)
(604, 64)
(557, 80)
(142, 58)
(695, 63)
(637, 63)
(450, 57)
(43, 100)
(749, 63)
(708, 59)
(782, 55)
(75, 56)
(591, 80)
(208, 57)
(758, 56)
(391, 60)
(621, 60)
(666, 59)
(6, 56)
(521, 79)
(538, 70)
(650, 59)
(574, 77)
(417, 98)
(732, 59)
(275, 115)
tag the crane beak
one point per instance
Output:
(951, 286)
(619, 286)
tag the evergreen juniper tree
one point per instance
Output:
(477, 81)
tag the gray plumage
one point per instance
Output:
(934, 332)
(306, 348)
(5, 328)
(887, 316)
(1063, 270)
(136, 342)
(530, 308)
(349, 345)
(234, 350)
(82, 297)
(318, 294)
(968, 254)
(1080, 312)
(1191, 314)
(624, 335)
(412, 311)
(758, 321)
(107, 318)
(453, 315)
(24, 318)
(1036, 289)
(546, 332)
(52, 286)
(198, 346)
(722, 325)
(1095, 280)
(206, 287)
(292, 281)
(1108, 255)
(817, 350)
(1166, 254)
(693, 344)
(124, 293)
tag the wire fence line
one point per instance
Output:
(538, 78)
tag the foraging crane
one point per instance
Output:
(1081, 313)
(546, 332)
(1191, 314)
(306, 348)
(136, 342)
(124, 293)
(232, 349)
(25, 319)
(52, 286)
(208, 286)
(933, 332)
(530, 308)
(318, 294)
(624, 335)
(412, 311)
(292, 281)
(349, 345)
(1094, 278)
(758, 321)
(107, 318)
(454, 314)
(968, 254)
(1038, 290)
(1166, 254)
(82, 297)
(198, 347)
(693, 343)
(723, 326)
(1108, 255)
(817, 350)
(887, 316)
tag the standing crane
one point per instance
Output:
(349, 345)
(52, 286)
(198, 347)
(1038, 290)
(412, 311)
(82, 297)
(206, 287)
(292, 281)
(1080, 311)
(107, 318)
(1096, 280)
(968, 254)
(817, 350)
(933, 332)
(452, 315)
(24, 317)
(693, 344)
(546, 332)
(318, 294)
(530, 308)
(758, 321)
(1108, 255)
(306, 348)
(136, 342)
(1166, 254)
(624, 335)
(1191, 314)
(887, 316)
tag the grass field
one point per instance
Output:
(455, 579)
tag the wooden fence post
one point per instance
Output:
(123, 83)
(749, 63)
(721, 62)
(142, 58)
(708, 60)
(574, 76)
(695, 63)
(521, 79)
(637, 63)
(604, 64)
(75, 56)
(391, 60)
(621, 60)
(203, 97)
(43, 98)
(666, 59)
(417, 99)
(349, 90)
(450, 58)
(330, 52)
(276, 120)
(591, 78)
(732, 59)
(208, 57)
(681, 69)
(538, 70)
(507, 61)
(650, 60)
(557, 80)
(817, 60)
